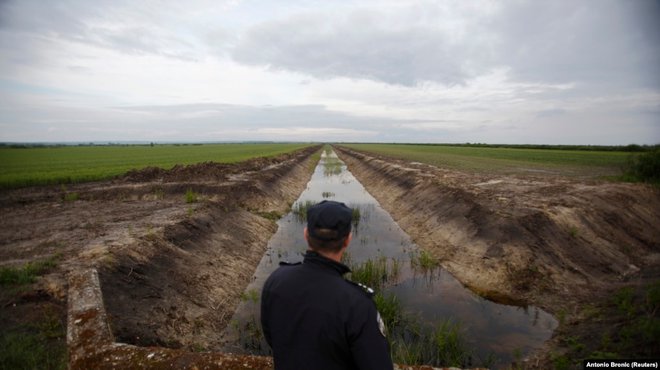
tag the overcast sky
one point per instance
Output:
(551, 72)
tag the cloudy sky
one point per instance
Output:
(553, 72)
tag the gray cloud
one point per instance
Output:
(122, 26)
(362, 44)
(609, 42)
(601, 42)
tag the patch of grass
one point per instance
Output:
(356, 216)
(31, 350)
(507, 160)
(390, 309)
(372, 273)
(300, 209)
(561, 362)
(196, 347)
(440, 345)
(73, 164)
(251, 295)
(71, 197)
(623, 299)
(251, 337)
(272, 215)
(191, 196)
(27, 274)
(332, 165)
(627, 323)
(424, 261)
(327, 194)
(644, 167)
(314, 160)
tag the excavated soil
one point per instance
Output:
(557, 243)
(171, 271)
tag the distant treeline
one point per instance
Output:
(596, 148)
(69, 145)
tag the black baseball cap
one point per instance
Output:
(329, 215)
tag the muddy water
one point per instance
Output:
(496, 333)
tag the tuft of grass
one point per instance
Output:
(272, 215)
(424, 261)
(71, 197)
(327, 194)
(356, 216)
(300, 209)
(440, 345)
(251, 337)
(32, 350)
(191, 196)
(374, 273)
(251, 295)
(390, 309)
(332, 166)
(27, 274)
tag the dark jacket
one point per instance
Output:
(315, 319)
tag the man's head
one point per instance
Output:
(329, 226)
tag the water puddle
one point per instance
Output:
(493, 334)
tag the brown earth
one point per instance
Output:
(565, 245)
(172, 272)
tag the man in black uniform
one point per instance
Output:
(312, 317)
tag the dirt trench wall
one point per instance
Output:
(520, 240)
(178, 286)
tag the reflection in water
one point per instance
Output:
(426, 292)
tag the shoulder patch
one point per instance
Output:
(284, 263)
(381, 324)
(370, 292)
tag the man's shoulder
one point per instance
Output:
(362, 289)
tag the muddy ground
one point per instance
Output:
(173, 271)
(172, 266)
(586, 251)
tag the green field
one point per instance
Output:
(581, 163)
(71, 164)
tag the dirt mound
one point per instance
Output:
(205, 171)
(517, 232)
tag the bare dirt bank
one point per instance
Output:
(172, 267)
(556, 243)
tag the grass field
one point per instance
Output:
(508, 160)
(71, 164)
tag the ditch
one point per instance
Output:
(432, 318)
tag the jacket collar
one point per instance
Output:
(317, 259)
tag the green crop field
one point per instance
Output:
(70, 164)
(581, 163)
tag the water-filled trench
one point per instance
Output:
(432, 301)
